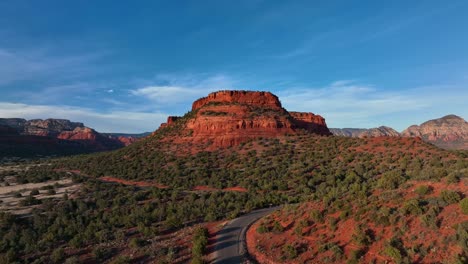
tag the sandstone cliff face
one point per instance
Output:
(79, 133)
(347, 132)
(49, 127)
(310, 122)
(170, 121)
(259, 99)
(380, 131)
(450, 131)
(91, 138)
(227, 118)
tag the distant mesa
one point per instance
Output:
(228, 118)
(21, 137)
(258, 99)
(382, 131)
(449, 132)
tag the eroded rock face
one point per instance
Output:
(49, 127)
(127, 140)
(91, 138)
(170, 121)
(450, 131)
(79, 133)
(227, 118)
(259, 99)
(310, 122)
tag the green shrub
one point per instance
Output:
(197, 260)
(391, 180)
(261, 229)
(290, 251)
(58, 255)
(34, 192)
(30, 200)
(393, 253)
(423, 190)
(412, 206)
(277, 227)
(464, 205)
(316, 215)
(101, 253)
(450, 197)
(354, 256)
(136, 242)
(199, 242)
(362, 237)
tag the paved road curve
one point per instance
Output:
(230, 244)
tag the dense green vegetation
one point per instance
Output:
(274, 171)
(199, 243)
(298, 164)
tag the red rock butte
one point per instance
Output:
(227, 118)
(260, 99)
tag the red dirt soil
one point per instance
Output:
(133, 183)
(267, 247)
(230, 189)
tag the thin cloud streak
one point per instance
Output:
(182, 89)
(113, 121)
(349, 104)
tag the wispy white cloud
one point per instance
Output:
(350, 104)
(173, 89)
(113, 121)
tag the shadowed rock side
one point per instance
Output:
(170, 121)
(6, 130)
(20, 137)
(227, 118)
(382, 131)
(310, 122)
(450, 131)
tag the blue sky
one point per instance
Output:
(121, 67)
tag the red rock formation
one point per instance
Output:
(310, 122)
(91, 137)
(449, 132)
(260, 99)
(127, 140)
(227, 118)
(170, 121)
(49, 127)
(382, 131)
(79, 133)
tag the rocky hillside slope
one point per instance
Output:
(450, 132)
(382, 131)
(21, 137)
(227, 118)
